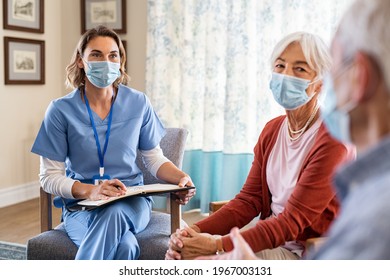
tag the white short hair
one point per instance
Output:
(364, 27)
(314, 49)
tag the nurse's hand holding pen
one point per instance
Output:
(107, 189)
(104, 190)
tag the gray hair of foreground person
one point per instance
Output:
(365, 28)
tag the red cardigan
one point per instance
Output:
(308, 212)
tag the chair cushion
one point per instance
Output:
(56, 245)
(51, 245)
(154, 240)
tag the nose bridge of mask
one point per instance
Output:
(99, 64)
(290, 79)
(103, 68)
(297, 83)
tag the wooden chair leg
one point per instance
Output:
(175, 209)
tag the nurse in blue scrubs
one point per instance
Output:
(88, 144)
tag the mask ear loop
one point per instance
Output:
(86, 62)
(314, 92)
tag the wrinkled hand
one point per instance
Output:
(184, 197)
(107, 189)
(175, 245)
(196, 244)
(241, 251)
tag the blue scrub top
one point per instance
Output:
(66, 135)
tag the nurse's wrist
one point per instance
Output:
(81, 190)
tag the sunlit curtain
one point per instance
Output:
(208, 70)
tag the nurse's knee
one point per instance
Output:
(128, 248)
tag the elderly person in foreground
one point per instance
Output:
(289, 184)
(359, 89)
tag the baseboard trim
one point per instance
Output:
(19, 193)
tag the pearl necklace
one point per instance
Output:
(303, 129)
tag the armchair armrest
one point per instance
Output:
(45, 210)
(312, 244)
(216, 205)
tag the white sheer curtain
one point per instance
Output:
(208, 70)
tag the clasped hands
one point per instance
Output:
(188, 243)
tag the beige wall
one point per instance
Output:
(22, 107)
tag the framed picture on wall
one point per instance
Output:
(111, 13)
(24, 15)
(124, 43)
(24, 61)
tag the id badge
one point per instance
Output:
(97, 179)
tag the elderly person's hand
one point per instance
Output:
(241, 250)
(184, 197)
(176, 243)
(188, 243)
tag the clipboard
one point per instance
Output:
(144, 190)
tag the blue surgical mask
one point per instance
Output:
(336, 120)
(102, 73)
(289, 91)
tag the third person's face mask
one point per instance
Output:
(289, 91)
(336, 119)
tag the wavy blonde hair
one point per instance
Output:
(75, 76)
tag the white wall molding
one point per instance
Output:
(16, 194)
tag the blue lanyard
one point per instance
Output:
(100, 153)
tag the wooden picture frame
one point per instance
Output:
(110, 13)
(24, 15)
(24, 61)
(124, 43)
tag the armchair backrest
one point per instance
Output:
(173, 146)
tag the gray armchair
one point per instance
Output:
(54, 244)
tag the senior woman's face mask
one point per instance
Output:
(289, 91)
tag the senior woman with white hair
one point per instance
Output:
(289, 184)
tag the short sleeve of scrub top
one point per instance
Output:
(66, 135)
